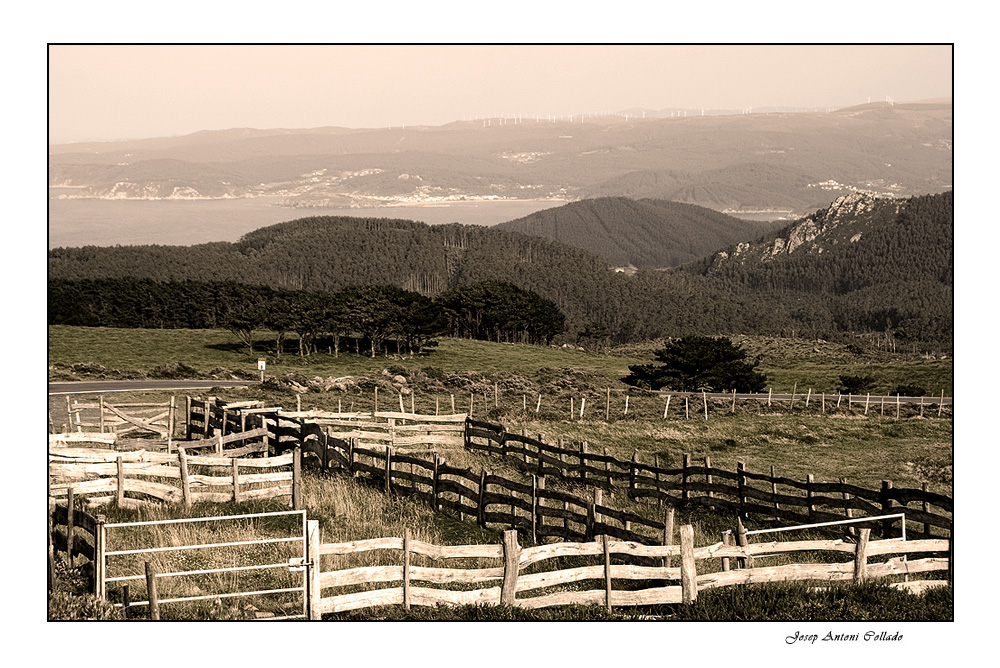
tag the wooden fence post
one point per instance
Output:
(726, 540)
(588, 530)
(607, 571)
(126, 601)
(607, 473)
(861, 555)
(511, 557)
(689, 581)
(686, 462)
(607, 405)
(171, 418)
(539, 519)
(70, 525)
(668, 532)
(666, 408)
(741, 540)
(851, 530)
(314, 570)
(187, 418)
(297, 478)
(534, 508)
(120, 498)
(100, 542)
(704, 398)
(741, 483)
(886, 507)
(100, 407)
(708, 480)
(388, 469)
(632, 474)
(435, 501)
(236, 480)
(774, 490)
(810, 506)
(154, 600)
(406, 568)
(481, 506)
(185, 482)
(583, 462)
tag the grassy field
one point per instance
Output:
(865, 449)
(788, 363)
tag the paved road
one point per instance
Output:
(94, 387)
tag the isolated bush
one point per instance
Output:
(855, 384)
(696, 363)
(909, 391)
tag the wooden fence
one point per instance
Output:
(741, 491)
(121, 418)
(212, 417)
(515, 577)
(125, 476)
(75, 533)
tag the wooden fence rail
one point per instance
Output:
(126, 476)
(515, 572)
(741, 491)
(122, 418)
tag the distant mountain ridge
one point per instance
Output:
(792, 163)
(647, 233)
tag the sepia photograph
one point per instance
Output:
(660, 333)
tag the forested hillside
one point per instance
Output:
(644, 233)
(878, 265)
(864, 263)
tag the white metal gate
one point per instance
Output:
(189, 561)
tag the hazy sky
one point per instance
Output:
(119, 92)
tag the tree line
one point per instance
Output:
(368, 315)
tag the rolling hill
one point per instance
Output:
(647, 234)
(864, 263)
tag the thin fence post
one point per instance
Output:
(314, 570)
(171, 418)
(626, 406)
(741, 483)
(435, 500)
(668, 532)
(886, 507)
(689, 582)
(511, 557)
(154, 600)
(187, 418)
(70, 526)
(687, 410)
(583, 462)
(236, 480)
(100, 407)
(851, 530)
(686, 463)
(666, 408)
(120, 498)
(297, 478)
(126, 601)
(406, 568)
(481, 505)
(774, 490)
(810, 506)
(539, 519)
(708, 480)
(632, 474)
(861, 555)
(741, 540)
(726, 540)
(100, 547)
(534, 508)
(704, 398)
(607, 406)
(607, 571)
